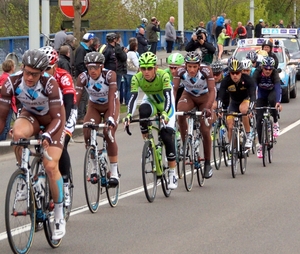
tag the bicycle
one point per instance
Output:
(154, 161)
(22, 211)
(193, 157)
(220, 140)
(49, 41)
(267, 138)
(239, 153)
(96, 172)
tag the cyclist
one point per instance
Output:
(247, 67)
(241, 89)
(101, 85)
(252, 55)
(199, 91)
(267, 81)
(156, 85)
(42, 104)
(65, 82)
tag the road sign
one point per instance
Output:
(66, 7)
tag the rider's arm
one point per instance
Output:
(5, 102)
(192, 45)
(222, 91)
(80, 83)
(210, 85)
(68, 91)
(251, 89)
(167, 91)
(112, 93)
(133, 95)
(177, 79)
(277, 86)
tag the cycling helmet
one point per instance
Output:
(252, 56)
(51, 54)
(267, 43)
(193, 57)
(216, 67)
(35, 59)
(176, 58)
(144, 20)
(268, 63)
(94, 57)
(110, 37)
(235, 65)
(147, 59)
(247, 64)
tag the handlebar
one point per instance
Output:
(99, 125)
(156, 118)
(193, 113)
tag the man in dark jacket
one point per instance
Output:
(258, 27)
(70, 42)
(64, 59)
(142, 41)
(199, 41)
(152, 36)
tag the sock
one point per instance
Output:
(114, 169)
(59, 211)
(66, 187)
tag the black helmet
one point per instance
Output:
(267, 43)
(235, 65)
(110, 37)
(94, 57)
(35, 59)
(200, 31)
(216, 67)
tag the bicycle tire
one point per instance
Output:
(225, 149)
(188, 163)
(21, 241)
(200, 164)
(243, 154)
(165, 175)
(254, 134)
(14, 57)
(217, 146)
(91, 185)
(179, 159)
(48, 223)
(234, 152)
(271, 142)
(68, 208)
(112, 193)
(264, 143)
(149, 172)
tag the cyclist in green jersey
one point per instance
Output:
(156, 85)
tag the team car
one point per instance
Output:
(287, 70)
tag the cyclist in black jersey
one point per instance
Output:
(241, 89)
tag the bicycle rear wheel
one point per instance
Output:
(264, 143)
(188, 163)
(179, 159)
(149, 171)
(271, 141)
(165, 175)
(112, 193)
(19, 218)
(217, 146)
(234, 153)
(200, 163)
(48, 223)
(243, 155)
(91, 180)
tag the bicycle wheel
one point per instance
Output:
(179, 159)
(71, 186)
(48, 223)
(234, 153)
(264, 142)
(243, 154)
(200, 163)
(149, 172)
(112, 193)
(271, 141)
(254, 134)
(19, 218)
(165, 175)
(91, 180)
(225, 148)
(188, 163)
(217, 146)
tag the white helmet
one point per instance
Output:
(144, 20)
(247, 64)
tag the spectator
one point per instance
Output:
(228, 32)
(143, 25)
(70, 42)
(170, 34)
(209, 28)
(281, 25)
(249, 28)
(213, 33)
(142, 41)
(152, 29)
(240, 31)
(258, 27)
(8, 67)
(220, 24)
(95, 45)
(81, 51)
(221, 39)
(64, 59)
(293, 25)
(201, 25)
(60, 38)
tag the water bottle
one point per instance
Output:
(158, 150)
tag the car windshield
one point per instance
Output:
(242, 52)
(291, 44)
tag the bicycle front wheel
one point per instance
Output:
(243, 155)
(165, 175)
(68, 207)
(217, 146)
(264, 142)
(200, 163)
(234, 153)
(149, 171)
(271, 142)
(91, 180)
(188, 163)
(19, 213)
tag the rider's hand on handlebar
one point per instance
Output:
(110, 122)
(127, 119)
(207, 112)
(164, 117)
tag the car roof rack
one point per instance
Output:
(279, 32)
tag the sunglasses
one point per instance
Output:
(268, 69)
(147, 68)
(173, 67)
(235, 72)
(94, 67)
(33, 74)
(217, 73)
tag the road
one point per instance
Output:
(255, 213)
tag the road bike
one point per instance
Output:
(28, 200)
(238, 151)
(220, 140)
(49, 41)
(155, 168)
(96, 172)
(193, 155)
(267, 139)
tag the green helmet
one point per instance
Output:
(147, 59)
(176, 58)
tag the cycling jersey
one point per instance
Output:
(65, 82)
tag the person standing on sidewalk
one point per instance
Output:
(170, 34)
(152, 29)
(60, 38)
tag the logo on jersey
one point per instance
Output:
(97, 87)
(232, 88)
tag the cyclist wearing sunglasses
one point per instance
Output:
(199, 92)
(241, 89)
(101, 86)
(267, 81)
(40, 96)
(156, 85)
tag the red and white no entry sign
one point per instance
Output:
(66, 7)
